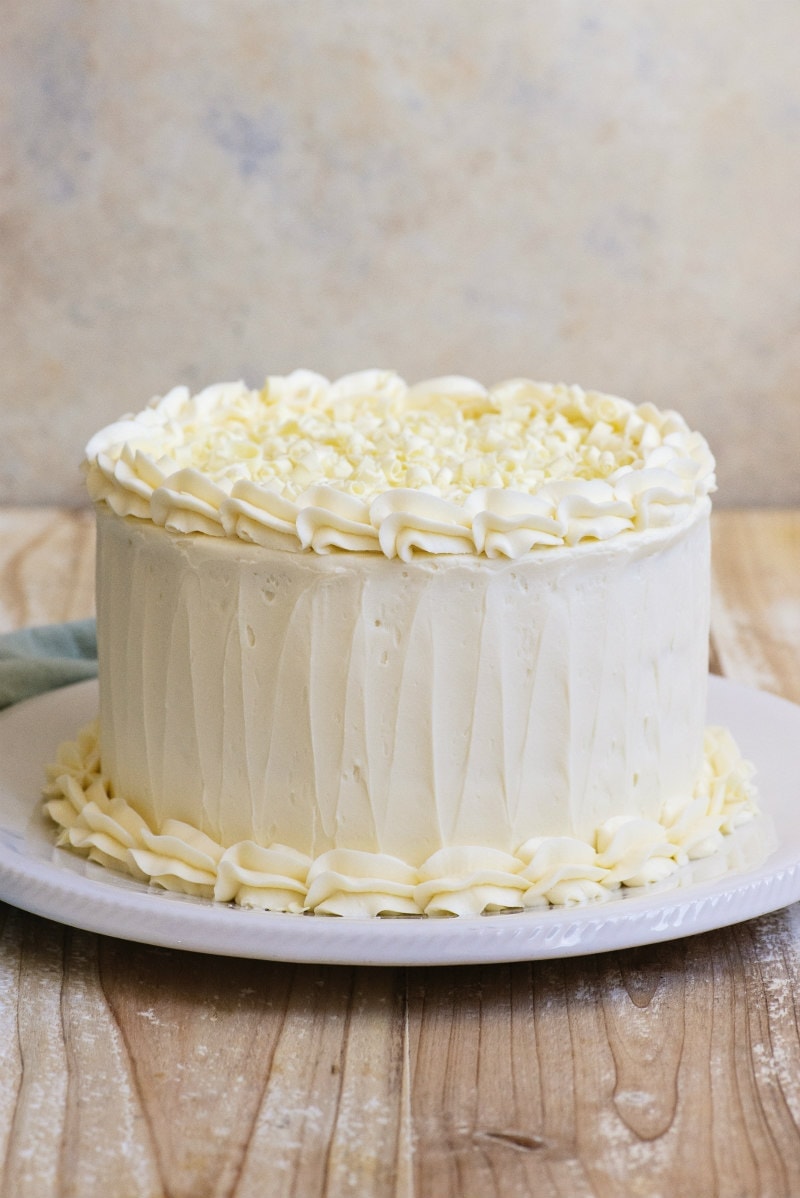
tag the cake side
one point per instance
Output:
(351, 701)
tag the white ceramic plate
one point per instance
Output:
(51, 882)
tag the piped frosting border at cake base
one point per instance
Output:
(471, 880)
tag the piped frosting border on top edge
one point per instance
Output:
(368, 464)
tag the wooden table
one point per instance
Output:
(664, 1071)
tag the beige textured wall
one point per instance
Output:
(605, 194)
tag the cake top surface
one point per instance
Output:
(368, 463)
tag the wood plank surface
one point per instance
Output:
(658, 1072)
(756, 599)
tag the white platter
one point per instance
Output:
(58, 885)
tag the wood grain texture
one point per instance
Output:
(135, 1072)
(756, 599)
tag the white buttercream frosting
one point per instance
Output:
(459, 880)
(370, 649)
(369, 464)
(351, 701)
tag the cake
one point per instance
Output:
(376, 649)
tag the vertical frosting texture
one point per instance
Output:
(352, 702)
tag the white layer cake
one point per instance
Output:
(369, 649)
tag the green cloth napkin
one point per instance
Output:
(40, 659)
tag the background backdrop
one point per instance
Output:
(603, 194)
